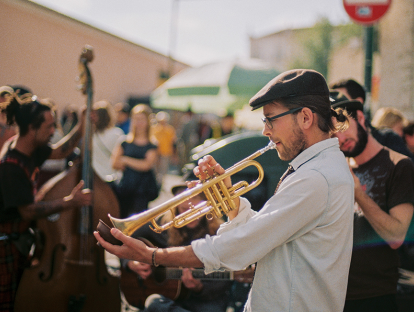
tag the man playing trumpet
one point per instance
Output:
(301, 239)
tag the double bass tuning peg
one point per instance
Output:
(87, 53)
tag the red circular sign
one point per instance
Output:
(366, 11)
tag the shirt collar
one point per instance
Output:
(312, 151)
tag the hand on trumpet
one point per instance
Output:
(207, 168)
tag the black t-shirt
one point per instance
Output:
(388, 178)
(17, 178)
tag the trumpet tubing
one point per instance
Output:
(220, 199)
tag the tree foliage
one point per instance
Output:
(319, 41)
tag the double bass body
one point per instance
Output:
(71, 274)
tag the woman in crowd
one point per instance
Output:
(390, 118)
(104, 140)
(136, 157)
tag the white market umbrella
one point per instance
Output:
(213, 88)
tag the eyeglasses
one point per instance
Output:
(268, 120)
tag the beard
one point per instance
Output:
(297, 147)
(361, 144)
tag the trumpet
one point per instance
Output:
(220, 199)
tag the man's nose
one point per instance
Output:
(340, 136)
(266, 131)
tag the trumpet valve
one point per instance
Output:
(186, 217)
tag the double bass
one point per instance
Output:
(71, 274)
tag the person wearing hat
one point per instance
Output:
(352, 90)
(301, 239)
(203, 295)
(387, 137)
(384, 198)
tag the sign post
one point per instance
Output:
(367, 13)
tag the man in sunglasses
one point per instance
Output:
(301, 239)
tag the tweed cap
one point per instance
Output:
(338, 99)
(296, 82)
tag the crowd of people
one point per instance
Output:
(345, 245)
(132, 150)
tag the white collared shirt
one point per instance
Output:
(301, 239)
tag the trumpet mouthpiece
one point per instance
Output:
(271, 145)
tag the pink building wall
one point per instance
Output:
(40, 49)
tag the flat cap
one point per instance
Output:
(296, 82)
(338, 99)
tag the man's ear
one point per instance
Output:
(306, 118)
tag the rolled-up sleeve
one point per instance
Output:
(204, 249)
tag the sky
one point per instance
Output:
(198, 32)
